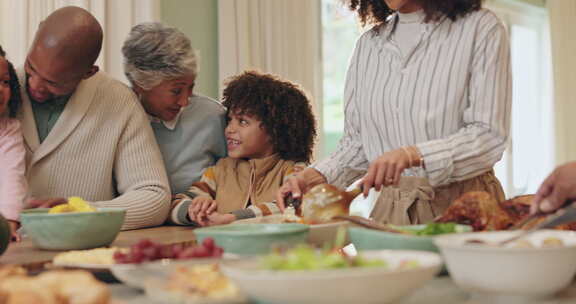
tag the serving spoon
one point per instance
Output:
(369, 223)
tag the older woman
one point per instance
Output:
(427, 107)
(162, 67)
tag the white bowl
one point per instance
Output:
(526, 272)
(359, 285)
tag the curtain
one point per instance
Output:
(563, 35)
(282, 37)
(20, 19)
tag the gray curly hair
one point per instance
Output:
(154, 53)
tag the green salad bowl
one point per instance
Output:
(369, 239)
(254, 239)
(74, 230)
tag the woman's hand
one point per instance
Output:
(387, 168)
(299, 184)
(200, 208)
(14, 225)
(558, 188)
(216, 218)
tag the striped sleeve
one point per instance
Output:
(348, 162)
(257, 210)
(479, 144)
(182, 201)
(205, 187)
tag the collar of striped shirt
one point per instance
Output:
(392, 22)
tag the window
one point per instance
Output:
(340, 30)
(530, 154)
(526, 162)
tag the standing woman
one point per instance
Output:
(162, 67)
(427, 108)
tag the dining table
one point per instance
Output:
(24, 253)
(441, 289)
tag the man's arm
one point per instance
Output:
(139, 173)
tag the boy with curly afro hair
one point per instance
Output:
(270, 135)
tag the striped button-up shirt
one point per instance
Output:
(450, 96)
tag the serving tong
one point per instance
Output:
(562, 216)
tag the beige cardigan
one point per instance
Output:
(102, 148)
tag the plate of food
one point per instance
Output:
(193, 284)
(131, 265)
(53, 286)
(369, 277)
(91, 259)
(147, 260)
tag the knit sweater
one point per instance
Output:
(196, 142)
(102, 149)
(245, 188)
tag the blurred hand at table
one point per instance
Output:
(387, 169)
(200, 208)
(557, 188)
(14, 236)
(216, 218)
(47, 203)
(299, 184)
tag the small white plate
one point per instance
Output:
(136, 275)
(155, 291)
(85, 266)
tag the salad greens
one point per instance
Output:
(306, 258)
(433, 229)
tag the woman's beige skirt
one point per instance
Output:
(414, 201)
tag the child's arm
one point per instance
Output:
(256, 210)
(13, 186)
(200, 208)
(181, 202)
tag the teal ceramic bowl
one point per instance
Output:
(369, 239)
(72, 231)
(254, 239)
